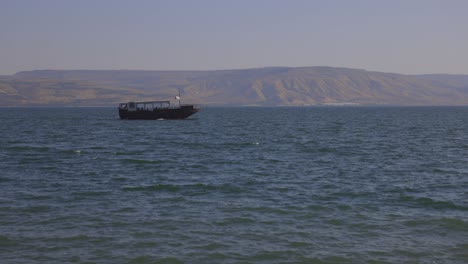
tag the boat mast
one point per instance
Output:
(179, 97)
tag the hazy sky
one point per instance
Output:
(403, 36)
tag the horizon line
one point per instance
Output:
(234, 69)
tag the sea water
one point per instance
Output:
(235, 185)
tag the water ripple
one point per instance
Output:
(235, 185)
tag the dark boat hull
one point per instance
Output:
(181, 112)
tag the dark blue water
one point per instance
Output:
(235, 185)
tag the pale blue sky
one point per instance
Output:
(402, 36)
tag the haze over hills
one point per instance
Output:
(273, 86)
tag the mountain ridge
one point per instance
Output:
(269, 86)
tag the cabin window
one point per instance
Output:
(131, 105)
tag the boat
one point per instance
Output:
(152, 110)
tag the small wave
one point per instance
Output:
(285, 256)
(213, 246)
(326, 150)
(14, 142)
(454, 224)
(168, 260)
(96, 148)
(75, 238)
(227, 188)
(36, 209)
(126, 153)
(229, 145)
(271, 161)
(28, 148)
(446, 171)
(36, 197)
(157, 187)
(430, 203)
(337, 259)
(119, 179)
(354, 194)
(235, 220)
(413, 254)
(49, 167)
(55, 220)
(142, 161)
(126, 210)
(261, 209)
(146, 244)
(335, 222)
(299, 244)
(319, 208)
(193, 189)
(70, 151)
(150, 259)
(91, 193)
(269, 256)
(5, 179)
(83, 238)
(7, 242)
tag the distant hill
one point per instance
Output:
(274, 86)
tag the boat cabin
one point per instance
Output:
(148, 106)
